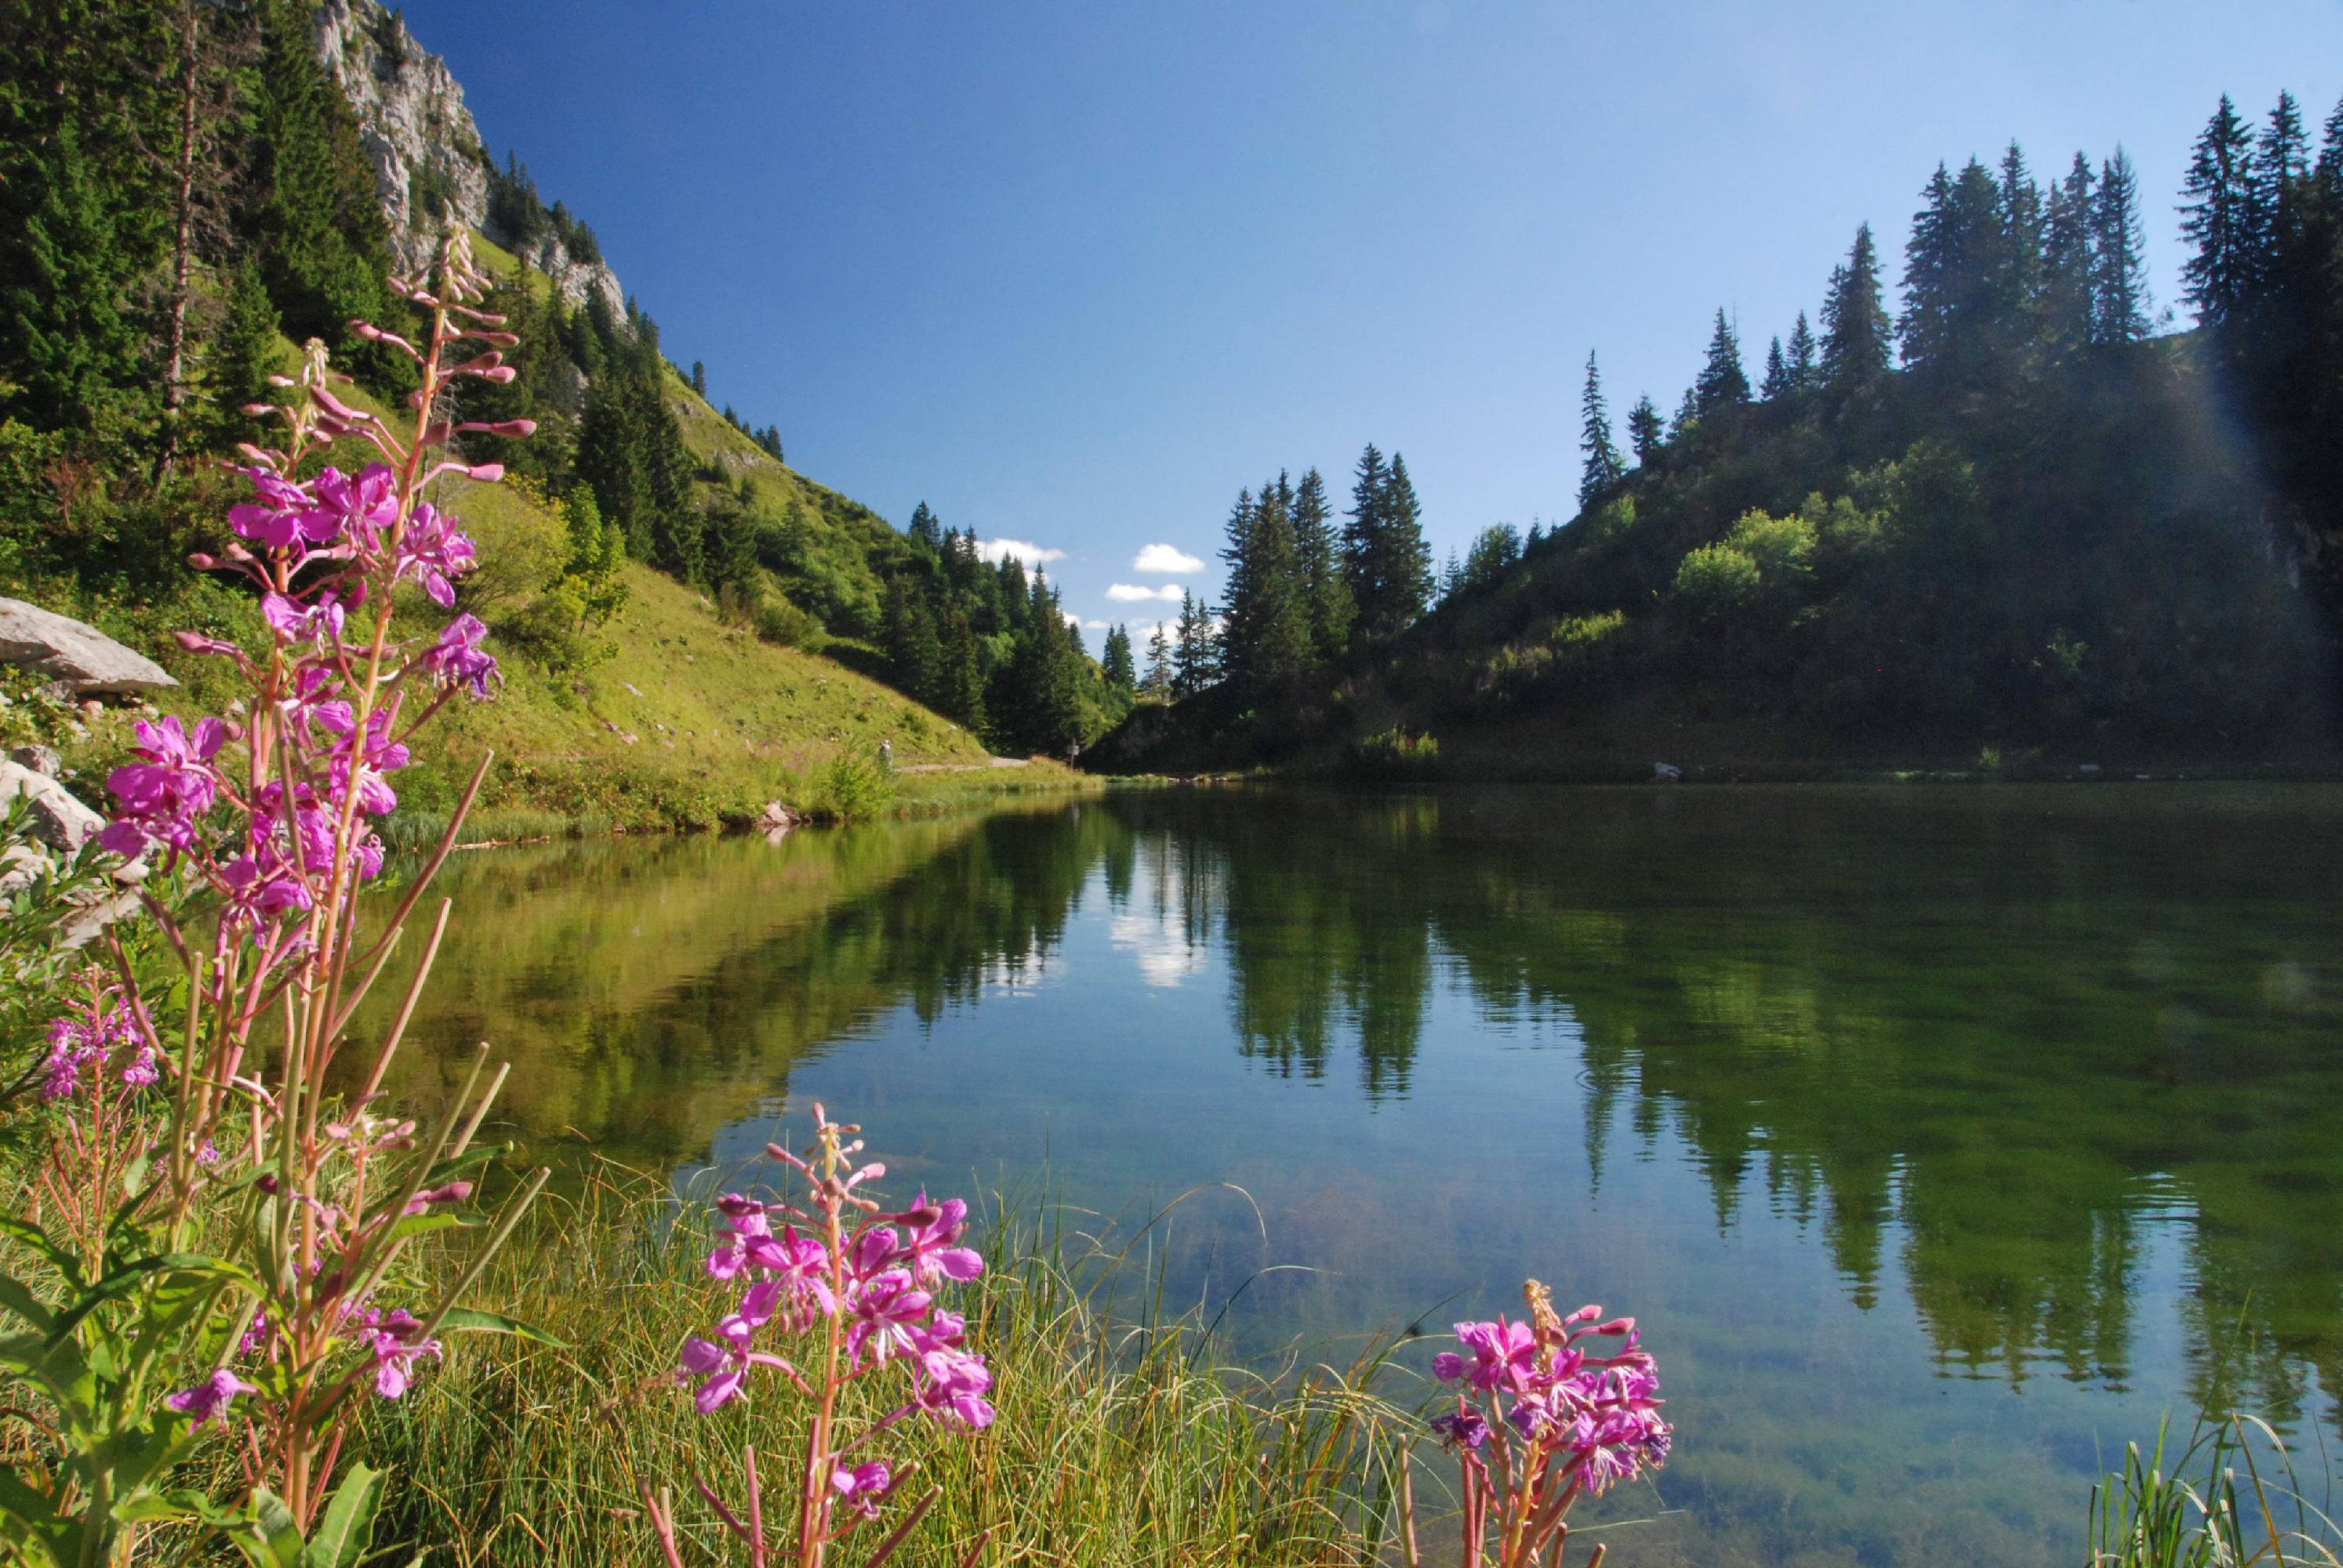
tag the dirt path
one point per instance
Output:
(967, 767)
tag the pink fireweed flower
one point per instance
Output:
(951, 1388)
(433, 552)
(933, 1228)
(457, 659)
(262, 887)
(744, 1220)
(885, 1307)
(872, 1252)
(798, 1263)
(1500, 1352)
(862, 1487)
(396, 1339)
(1462, 1429)
(63, 1069)
(297, 622)
(162, 796)
(286, 516)
(360, 508)
(722, 1363)
(378, 757)
(207, 1400)
(84, 1038)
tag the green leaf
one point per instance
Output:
(170, 1503)
(32, 1236)
(496, 1323)
(266, 1533)
(423, 1224)
(24, 1507)
(136, 1272)
(472, 1159)
(17, 1298)
(346, 1531)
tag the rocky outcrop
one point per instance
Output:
(82, 661)
(428, 160)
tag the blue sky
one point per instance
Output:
(1076, 272)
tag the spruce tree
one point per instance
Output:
(1116, 663)
(1800, 353)
(1687, 416)
(1195, 655)
(73, 344)
(1601, 467)
(1777, 383)
(323, 243)
(731, 551)
(2119, 294)
(2222, 218)
(1265, 638)
(1723, 384)
(1323, 581)
(2021, 235)
(914, 652)
(244, 352)
(2281, 167)
(1962, 318)
(2066, 303)
(1406, 559)
(1856, 342)
(959, 687)
(1647, 431)
(1159, 663)
(1362, 536)
(699, 378)
(925, 528)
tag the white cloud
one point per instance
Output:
(1166, 559)
(1032, 555)
(1135, 593)
(1097, 625)
(1072, 619)
(1165, 955)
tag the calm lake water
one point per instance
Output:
(1943, 1139)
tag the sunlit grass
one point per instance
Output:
(1120, 1439)
(2213, 1507)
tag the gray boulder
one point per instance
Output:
(59, 821)
(83, 661)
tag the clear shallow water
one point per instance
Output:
(1943, 1139)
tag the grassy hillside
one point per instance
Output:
(668, 715)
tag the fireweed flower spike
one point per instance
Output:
(855, 1286)
(268, 817)
(1542, 1418)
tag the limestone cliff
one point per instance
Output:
(429, 159)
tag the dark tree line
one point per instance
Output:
(1303, 588)
(2264, 216)
(989, 646)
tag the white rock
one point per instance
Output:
(80, 660)
(59, 821)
